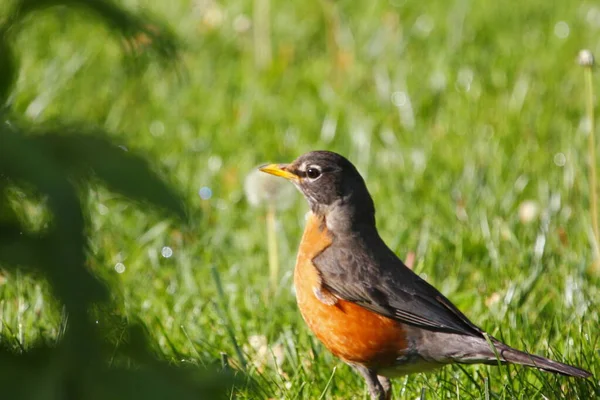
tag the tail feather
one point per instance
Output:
(514, 356)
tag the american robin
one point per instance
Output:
(362, 302)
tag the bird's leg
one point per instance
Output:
(386, 384)
(375, 388)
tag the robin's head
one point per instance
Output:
(331, 184)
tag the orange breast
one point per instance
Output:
(349, 331)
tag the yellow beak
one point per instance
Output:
(279, 170)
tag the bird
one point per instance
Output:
(362, 302)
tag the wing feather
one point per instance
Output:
(373, 277)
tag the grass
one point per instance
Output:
(456, 113)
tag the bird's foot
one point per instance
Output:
(380, 387)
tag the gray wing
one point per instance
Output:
(386, 286)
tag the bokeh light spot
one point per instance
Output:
(120, 268)
(166, 252)
(561, 30)
(205, 193)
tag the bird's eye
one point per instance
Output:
(313, 173)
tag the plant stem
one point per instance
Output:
(272, 248)
(592, 163)
(262, 34)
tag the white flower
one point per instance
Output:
(585, 58)
(528, 211)
(267, 190)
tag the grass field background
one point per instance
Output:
(462, 116)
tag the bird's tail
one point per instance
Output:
(508, 354)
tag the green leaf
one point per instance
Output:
(44, 373)
(120, 170)
(61, 248)
(8, 68)
(158, 38)
(160, 377)
(20, 249)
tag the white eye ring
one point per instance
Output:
(313, 172)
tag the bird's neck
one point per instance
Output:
(345, 216)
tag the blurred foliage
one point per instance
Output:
(458, 114)
(51, 163)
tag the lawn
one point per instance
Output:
(465, 118)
